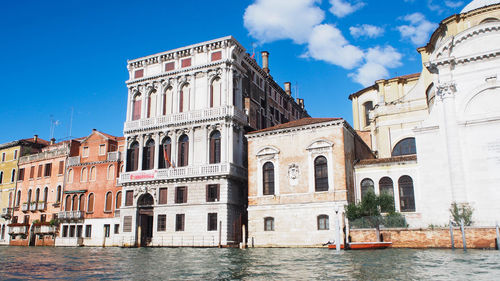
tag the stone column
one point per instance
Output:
(157, 150)
(174, 145)
(223, 143)
(230, 87)
(446, 93)
(141, 151)
(206, 146)
(230, 143)
(191, 147)
(129, 103)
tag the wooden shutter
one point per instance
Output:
(32, 172)
(108, 201)
(129, 198)
(61, 168)
(136, 114)
(90, 207)
(163, 196)
(67, 205)
(127, 224)
(118, 200)
(40, 169)
(212, 95)
(148, 111)
(181, 101)
(82, 203)
(75, 203)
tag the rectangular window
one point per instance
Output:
(85, 151)
(127, 224)
(48, 169)
(39, 173)
(216, 56)
(169, 66)
(162, 223)
(65, 231)
(102, 149)
(129, 198)
(88, 231)
(117, 228)
(181, 194)
(212, 222)
(32, 172)
(20, 176)
(213, 193)
(15, 154)
(3, 157)
(139, 73)
(179, 222)
(26, 219)
(163, 196)
(79, 231)
(106, 230)
(186, 62)
(60, 171)
(268, 224)
(71, 231)
(43, 217)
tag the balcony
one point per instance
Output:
(6, 213)
(45, 229)
(222, 169)
(25, 207)
(72, 161)
(70, 215)
(16, 229)
(41, 206)
(114, 156)
(188, 118)
(33, 206)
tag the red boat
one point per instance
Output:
(364, 245)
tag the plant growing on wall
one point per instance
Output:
(461, 212)
(367, 213)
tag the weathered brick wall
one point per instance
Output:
(479, 238)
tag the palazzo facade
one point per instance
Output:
(188, 109)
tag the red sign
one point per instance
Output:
(143, 175)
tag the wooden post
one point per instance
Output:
(337, 232)
(139, 236)
(451, 236)
(498, 237)
(244, 232)
(463, 234)
(220, 233)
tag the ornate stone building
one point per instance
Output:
(436, 133)
(187, 112)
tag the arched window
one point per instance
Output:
(45, 195)
(406, 195)
(386, 186)
(10, 200)
(405, 147)
(93, 172)
(136, 107)
(18, 199)
(74, 204)
(84, 175)
(431, 95)
(367, 107)
(183, 151)
(151, 110)
(37, 195)
(215, 92)
(82, 203)
(323, 222)
(148, 155)
(366, 187)
(29, 196)
(58, 195)
(145, 200)
(268, 178)
(215, 147)
(133, 157)
(269, 224)
(1, 177)
(67, 203)
(118, 200)
(486, 20)
(111, 172)
(184, 98)
(90, 203)
(109, 202)
(121, 169)
(13, 175)
(165, 159)
(321, 174)
(168, 101)
(70, 176)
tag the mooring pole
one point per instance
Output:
(451, 236)
(220, 233)
(337, 231)
(463, 234)
(498, 237)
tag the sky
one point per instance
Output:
(64, 62)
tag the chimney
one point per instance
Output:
(265, 61)
(93, 130)
(35, 138)
(300, 102)
(288, 88)
(52, 141)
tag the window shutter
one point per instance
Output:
(149, 107)
(181, 102)
(127, 224)
(82, 203)
(129, 198)
(211, 95)
(163, 196)
(61, 167)
(90, 207)
(75, 203)
(108, 201)
(118, 200)
(67, 206)
(136, 110)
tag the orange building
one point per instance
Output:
(89, 212)
(39, 189)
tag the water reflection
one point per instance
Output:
(22, 263)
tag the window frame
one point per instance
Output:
(323, 221)
(321, 180)
(269, 224)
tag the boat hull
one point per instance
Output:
(364, 245)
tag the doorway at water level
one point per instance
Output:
(145, 213)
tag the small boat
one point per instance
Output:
(363, 245)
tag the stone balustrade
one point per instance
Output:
(70, 215)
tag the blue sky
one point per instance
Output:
(59, 56)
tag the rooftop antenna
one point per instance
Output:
(70, 123)
(296, 90)
(53, 124)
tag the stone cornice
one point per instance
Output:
(93, 163)
(297, 129)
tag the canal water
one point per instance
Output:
(44, 263)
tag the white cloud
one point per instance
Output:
(328, 44)
(434, 7)
(342, 8)
(453, 4)
(377, 62)
(366, 30)
(418, 30)
(271, 20)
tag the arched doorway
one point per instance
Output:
(145, 219)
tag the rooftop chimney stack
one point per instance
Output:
(300, 102)
(288, 88)
(265, 61)
(35, 138)
(52, 141)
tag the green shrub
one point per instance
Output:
(461, 212)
